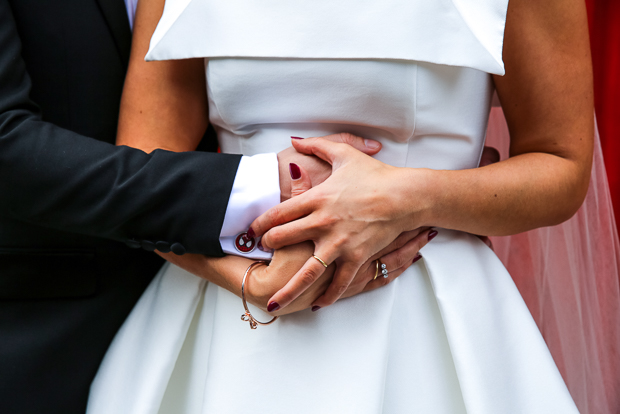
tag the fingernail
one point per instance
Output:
(432, 235)
(251, 233)
(295, 171)
(371, 144)
(297, 137)
(315, 308)
(415, 259)
(273, 306)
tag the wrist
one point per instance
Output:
(425, 193)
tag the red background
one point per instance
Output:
(604, 19)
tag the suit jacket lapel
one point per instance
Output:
(115, 14)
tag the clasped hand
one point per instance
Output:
(300, 174)
(352, 217)
(362, 212)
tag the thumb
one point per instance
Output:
(332, 152)
(367, 146)
(300, 181)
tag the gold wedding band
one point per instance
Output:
(377, 271)
(319, 259)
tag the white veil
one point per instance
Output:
(569, 277)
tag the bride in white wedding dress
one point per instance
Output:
(452, 334)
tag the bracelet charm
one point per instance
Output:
(247, 315)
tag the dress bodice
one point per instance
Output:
(412, 74)
(425, 115)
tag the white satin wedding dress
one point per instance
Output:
(451, 335)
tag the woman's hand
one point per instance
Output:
(357, 212)
(266, 281)
(366, 232)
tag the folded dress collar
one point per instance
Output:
(465, 33)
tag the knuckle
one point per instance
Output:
(265, 240)
(273, 237)
(358, 257)
(332, 220)
(308, 276)
(401, 259)
(273, 214)
(314, 226)
(307, 279)
(419, 242)
(322, 198)
(339, 289)
(400, 241)
(323, 221)
(338, 242)
(348, 138)
(320, 141)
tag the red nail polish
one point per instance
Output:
(273, 306)
(295, 171)
(415, 259)
(432, 235)
(297, 137)
(315, 308)
(251, 233)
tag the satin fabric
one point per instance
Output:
(451, 335)
(466, 33)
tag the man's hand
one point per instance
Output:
(317, 169)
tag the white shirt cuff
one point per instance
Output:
(256, 189)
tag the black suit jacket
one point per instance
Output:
(71, 202)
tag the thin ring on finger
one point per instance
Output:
(376, 271)
(380, 281)
(320, 260)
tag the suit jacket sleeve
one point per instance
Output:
(56, 178)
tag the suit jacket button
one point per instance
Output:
(149, 246)
(163, 246)
(134, 244)
(177, 248)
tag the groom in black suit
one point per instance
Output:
(79, 217)
(68, 197)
